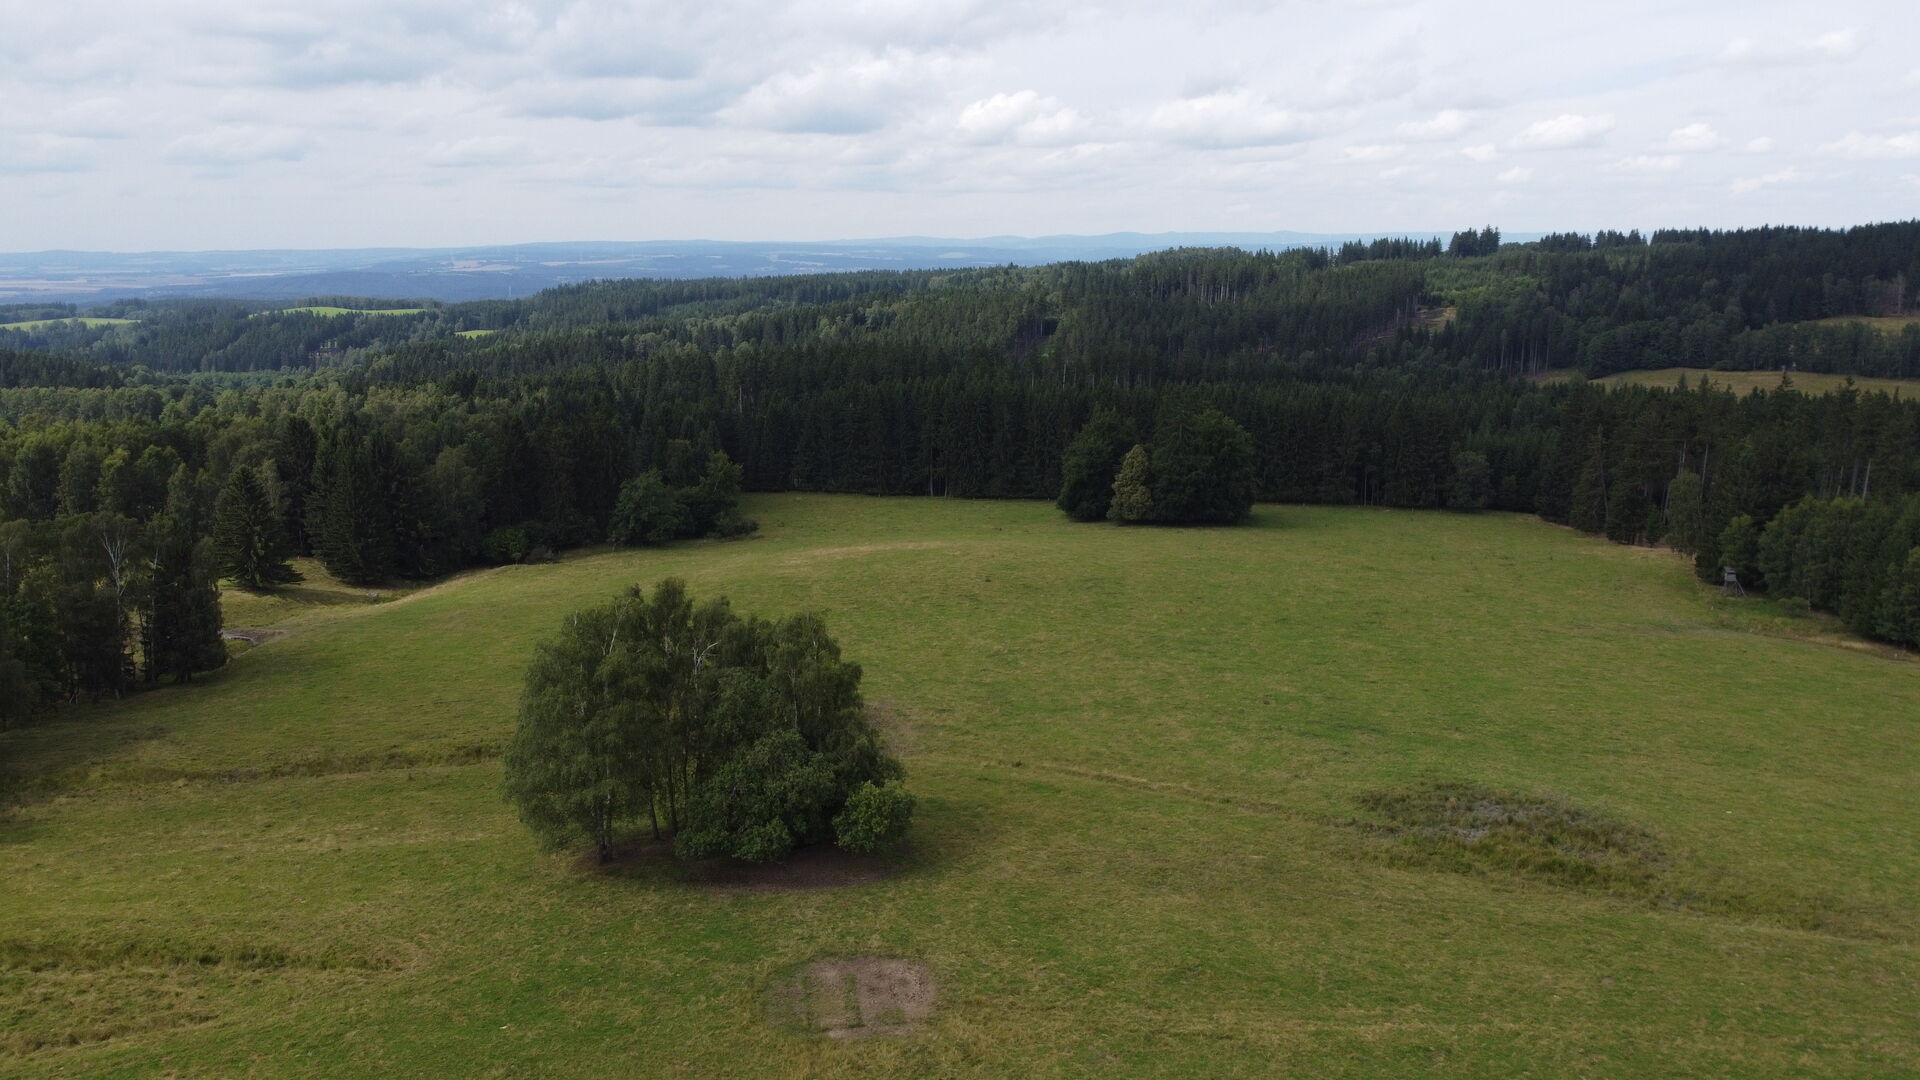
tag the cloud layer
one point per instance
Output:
(216, 123)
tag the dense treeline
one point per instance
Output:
(1748, 299)
(634, 411)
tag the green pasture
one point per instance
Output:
(42, 324)
(1746, 382)
(1145, 847)
(323, 309)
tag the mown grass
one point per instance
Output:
(1141, 755)
(324, 309)
(42, 324)
(1886, 324)
(1746, 382)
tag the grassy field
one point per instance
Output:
(326, 310)
(42, 324)
(1159, 774)
(1746, 382)
(1889, 324)
(474, 333)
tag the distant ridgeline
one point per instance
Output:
(1391, 373)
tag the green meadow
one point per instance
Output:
(1746, 382)
(323, 309)
(42, 324)
(1177, 818)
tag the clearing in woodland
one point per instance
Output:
(1343, 793)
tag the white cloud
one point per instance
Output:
(1760, 145)
(1372, 152)
(1396, 172)
(1856, 145)
(1021, 117)
(1834, 45)
(838, 97)
(1696, 136)
(1647, 163)
(1563, 132)
(1750, 184)
(1483, 152)
(238, 144)
(1516, 175)
(44, 153)
(1444, 124)
(482, 150)
(1226, 118)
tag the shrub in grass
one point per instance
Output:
(743, 737)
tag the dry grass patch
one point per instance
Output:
(854, 998)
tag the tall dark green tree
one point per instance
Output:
(1089, 464)
(182, 624)
(248, 544)
(1202, 468)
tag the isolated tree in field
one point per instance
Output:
(1132, 488)
(577, 765)
(1088, 467)
(744, 738)
(248, 544)
(1202, 468)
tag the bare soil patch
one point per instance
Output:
(851, 998)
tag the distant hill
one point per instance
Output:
(493, 272)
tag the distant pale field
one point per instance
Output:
(1891, 324)
(1138, 754)
(41, 324)
(323, 309)
(474, 333)
(1746, 382)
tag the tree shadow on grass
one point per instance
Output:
(642, 859)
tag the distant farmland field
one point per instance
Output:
(326, 310)
(41, 324)
(1745, 382)
(1344, 793)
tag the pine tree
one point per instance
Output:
(1133, 488)
(348, 512)
(183, 617)
(1088, 466)
(248, 544)
(1587, 510)
(1686, 512)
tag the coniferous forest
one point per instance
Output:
(144, 460)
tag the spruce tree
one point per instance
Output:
(1088, 466)
(249, 546)
(183, 614)
(1686, 513)
(1133, 488)
(1587, 510)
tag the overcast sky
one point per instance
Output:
(195, 124)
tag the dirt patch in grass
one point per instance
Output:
(855, 997)
(1467, 828)
(822, 867)
(253, 635)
